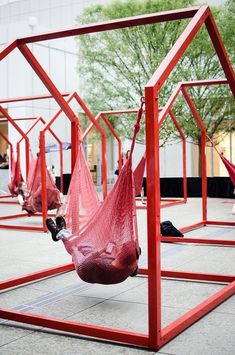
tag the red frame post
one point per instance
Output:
(181, 87)
(21, 132)
(40, 119)
(24, 136)
(11, 159)
(183, 154)
(203, 151)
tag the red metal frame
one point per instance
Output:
(103, 151)
(11, 159)
(20, 131)
(8, 118)
(20, 99)
(74, 141)
(29, 98)
(182, 88)
(156, 336)
(40, 119)
(103, 114)
(75, 129)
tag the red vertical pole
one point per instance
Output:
(61, 168)
(183, 154)
(120, 158)
(43, 178)
(221, 51)
(74, 144)
(153, 217)
(184, 170)
(27, 147)
(94, 120)
(8, 117)
(114, 133)
(204, 176)
(18, 161)
(57, 96)
(11, 153)
(11, 148)
(103, 153)
(61, 155)
(203, 150)
(26, 157)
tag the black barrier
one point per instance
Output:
(173, 187)
(216, 187)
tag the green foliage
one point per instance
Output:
(116, 65)
(215, 104)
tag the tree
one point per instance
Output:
(116, 65)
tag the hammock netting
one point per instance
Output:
(32, 165)
(228, 165)
(138, 175)
(82, 200)
(230, 168)
(104, 240)
(104, 243)
(33, 200)
(16, 177)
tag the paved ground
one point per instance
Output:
(121, 306)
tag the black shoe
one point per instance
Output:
(51, 226)
(167, 229)
(135, 273)
(60, 222)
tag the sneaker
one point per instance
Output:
(60, 222)
(51, 226)
(167, 229)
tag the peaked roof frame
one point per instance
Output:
(156, 336)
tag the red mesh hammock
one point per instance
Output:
(139, 174)
(16, 177)
(33, 201)
(32, 165)
(230, 168)
(82, 199)
(228, 165)
(104, 241)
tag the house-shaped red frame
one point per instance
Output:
(156, 336)
(24, 136)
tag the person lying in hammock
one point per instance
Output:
(32, 203)
(108, 265)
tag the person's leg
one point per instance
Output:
(63, 234)
(57, 233)
(60, 222)
(51, 226)
(58, 228)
